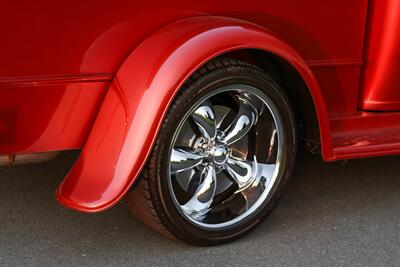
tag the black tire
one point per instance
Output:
(152, 203)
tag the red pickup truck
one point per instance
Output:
(194, 111)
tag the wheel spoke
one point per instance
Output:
(221, 114)
(264, 172)
(264, 175)
(244, 120)
(246, 173)
(250, 196)
(202, 199)
(185, 179)
(183, 159)
(204, 117)
(240, 171)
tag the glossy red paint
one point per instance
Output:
(48, 113)
(127, 123)
(59, 60)
(45, 40)
(78, 37)
(366, 134)
(381, 77)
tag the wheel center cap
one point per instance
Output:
(219, 154)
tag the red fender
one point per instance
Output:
(139, 96)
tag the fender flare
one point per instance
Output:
(141, 92)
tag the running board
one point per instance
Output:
(366, 135)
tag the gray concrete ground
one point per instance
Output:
(331, 214)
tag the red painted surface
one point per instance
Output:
(48, 113)
(366, 134)
(57, 39)
(381, 74)
(45, 39)
(58, 59)
(138, 98)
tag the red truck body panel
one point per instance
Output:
(74, 41)
(381, 76)
(139, 96)
(63, 62)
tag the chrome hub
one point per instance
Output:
(219, 154)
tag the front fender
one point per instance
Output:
(141, 92)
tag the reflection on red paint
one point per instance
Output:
(381, 76)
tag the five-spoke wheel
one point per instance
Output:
(224, 152)
(224, 156)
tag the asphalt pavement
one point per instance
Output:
(332, 214)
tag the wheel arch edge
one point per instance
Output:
(141, 92)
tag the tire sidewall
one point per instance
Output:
(171, 217)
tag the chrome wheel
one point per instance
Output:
(225, 158)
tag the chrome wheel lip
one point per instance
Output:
(268, 192)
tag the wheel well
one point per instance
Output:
(293, 85)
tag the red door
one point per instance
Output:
(381, 76)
